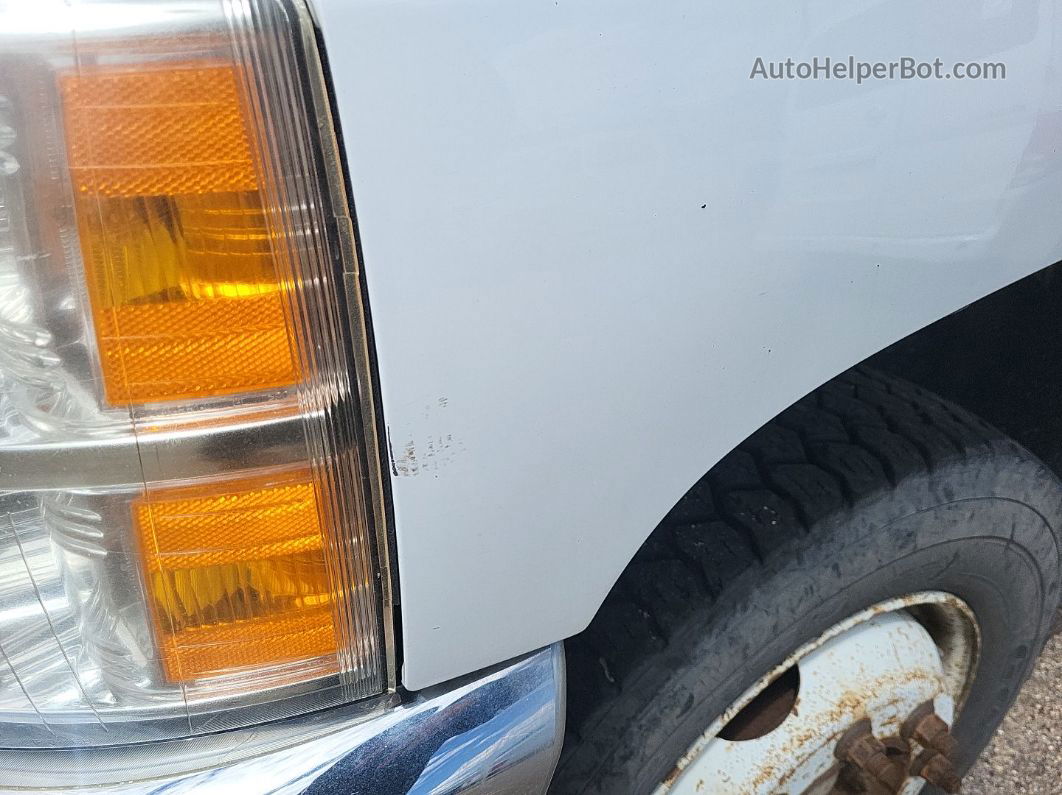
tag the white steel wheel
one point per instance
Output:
(860, 683)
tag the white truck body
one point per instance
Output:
(599, 254)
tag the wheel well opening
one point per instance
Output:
(999, 358)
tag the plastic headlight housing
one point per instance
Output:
(189, 505)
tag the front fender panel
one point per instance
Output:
(599, 255)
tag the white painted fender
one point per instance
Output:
(599, 255)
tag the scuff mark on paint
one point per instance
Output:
(422, 453)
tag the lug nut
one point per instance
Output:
(881, 770)
(937, 770)
(927, 729)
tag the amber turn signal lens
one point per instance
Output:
(187, 297)
(236, 575)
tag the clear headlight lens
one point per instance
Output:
(187, 539)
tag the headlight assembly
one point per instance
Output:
(189, 498)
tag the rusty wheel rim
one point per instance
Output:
(847, 695)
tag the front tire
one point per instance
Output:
(866, 491)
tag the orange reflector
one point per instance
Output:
(154, 132)
(236, 577)
(182, 269)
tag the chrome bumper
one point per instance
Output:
(498, 731)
